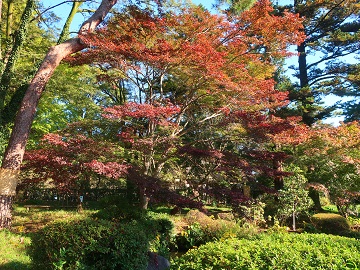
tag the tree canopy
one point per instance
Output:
(164, 95)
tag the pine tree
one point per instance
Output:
(331, 28)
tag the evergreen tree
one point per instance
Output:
(324, 58)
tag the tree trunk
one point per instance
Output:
(9, 18)
(303, 76)
(144, 199)
(0, 36)
(9, 110)
(294, 217)
(15, 52)
(7, 193)
(315, 197)
(5, 211)
(66, 29)
(278, 179)
(15, 150)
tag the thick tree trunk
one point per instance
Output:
(5, 211)
(15, 151)
(144, 199)
(314, 195)
(278, 179)
(7, 189)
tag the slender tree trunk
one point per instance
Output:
(15, 52)
(15, 151)
(303, 76)
(9, 18)
(0, 36)
(66, 29)
(8, 113)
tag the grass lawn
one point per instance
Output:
(12, 250)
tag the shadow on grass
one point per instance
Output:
(15, 266)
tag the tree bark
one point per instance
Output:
(15, 52)
(9, 18)
(5, 211)
(314, 195)
(303, 72)
(14, 153)
(0, 36)
(66, 29)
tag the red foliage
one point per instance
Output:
(227, 57)
(66, 159)
(158, 115)
(222, 67)
(109, 169)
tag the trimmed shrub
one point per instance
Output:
(275, 251)
(92, 244)
(330, 223)
(202, 229)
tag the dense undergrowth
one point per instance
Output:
(120, 238)
(275, 251)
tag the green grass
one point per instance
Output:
(28, 221)
(13, 250)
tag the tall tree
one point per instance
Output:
(188, 67)
(332, 31)
(20, 133)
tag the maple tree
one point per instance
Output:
(184, 69)
(58, 159)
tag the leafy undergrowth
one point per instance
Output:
(191, 229)
(274, 251)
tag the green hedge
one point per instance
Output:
(95, 244)
(275, 251)
(330, 223)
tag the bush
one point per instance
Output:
(94, 244)
(202, 229)
(275, 251)
(163, 226)
(118, 207)
(330, 223)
